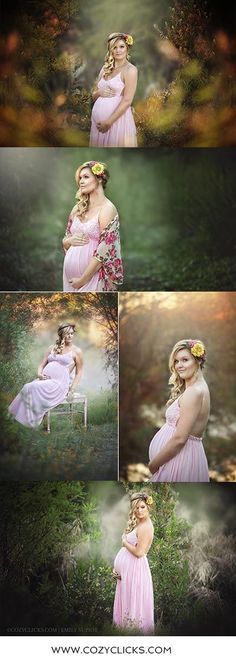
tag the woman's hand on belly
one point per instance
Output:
(107, 92)
(153, 467)
(105, 126)
(116, 575)
(76, 283)
(79, 240)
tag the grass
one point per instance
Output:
(70, 451)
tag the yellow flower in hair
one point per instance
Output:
(197, 350)
(149, 500)
(129, 40)
(97, 169)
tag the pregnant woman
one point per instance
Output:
(53, 382)
(92, 240)
(112, 118)
(176, 452)
(133, 605)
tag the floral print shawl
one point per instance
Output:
(108, 252)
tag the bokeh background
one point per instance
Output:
(29, 325)
(51, 54)
(59, 539)
(150, 325)
(177, 211)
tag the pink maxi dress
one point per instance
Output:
(38, 396)
(123, 132)
(190, 464)
(77, 258)
(134, 604)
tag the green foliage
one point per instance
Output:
(91, 594)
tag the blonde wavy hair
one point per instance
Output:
(60, 342)
(132, 520)
(109, 62)
(177, 384)
(83, 200)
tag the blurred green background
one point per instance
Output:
(160, 320)
(177, 210)
(29, 325)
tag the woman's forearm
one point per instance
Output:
(133, 549)
(41, 368)
(76, 380)
(92, 268)
(172, 448)
(96, 94)
(120, 110)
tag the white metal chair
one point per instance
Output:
(72, 404)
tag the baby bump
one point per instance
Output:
(56, 371)
(104, 107)
(160, 439)
(77, 259)
(120, 561)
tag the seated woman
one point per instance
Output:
(53, 383)
(92, 241)
(112, 118)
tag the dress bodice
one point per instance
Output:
(173, 413)
(65, 359)
(116, 83)
(90, 227)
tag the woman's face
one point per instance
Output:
(141, 510)
(185, 364)
(119, 50)
(69, 334)
(87, 181)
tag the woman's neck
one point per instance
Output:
(194, 379)
(118, 65)
(96, 199)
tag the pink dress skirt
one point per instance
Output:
(122, 132)
(77, 258)
(38, 396)
(134, 604)
(190, 464)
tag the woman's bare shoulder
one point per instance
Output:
(146, 527)
(194, 394)
(108, 204)
(77, 350)
(131, 67)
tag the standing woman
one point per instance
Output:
(112, 118)
(176, 452)
(92, 240)
(133, 605)
(53, 382)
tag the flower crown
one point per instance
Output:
(123, 35)
(143, 496)
(128, 39)
(197, 349)
(96, 168)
